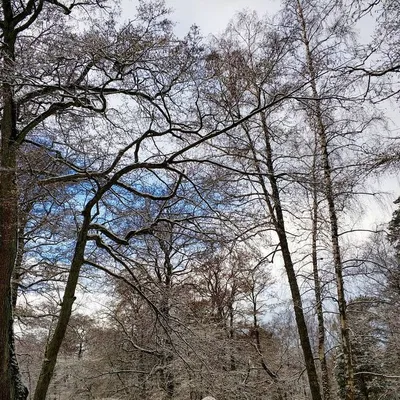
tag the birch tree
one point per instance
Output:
(253, 152)
(321, 29)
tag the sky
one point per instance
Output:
(212, 16)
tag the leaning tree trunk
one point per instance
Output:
(275, 209)
(53, 346)
(329, 195)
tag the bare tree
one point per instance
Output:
(250, 152)
(20, 24)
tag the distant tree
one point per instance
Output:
(368, 343)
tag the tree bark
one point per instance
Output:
(318, 292)
(167, 358)
(8, 250)
(53, 347)
(10, 382)
(275, 209)
(17, 272)
(291, 274)
(329, 195)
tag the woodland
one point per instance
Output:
(199, 216)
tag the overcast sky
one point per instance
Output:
(212, 16)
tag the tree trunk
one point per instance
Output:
(232, 363)
(10, 382)
(276, 213)
(53, 347)
(259, 348)
(318, 292)
(167, 375)
(8, 250)
(17, 272)
(289, 267)
(323, 145)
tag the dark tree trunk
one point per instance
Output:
(291, 274)
(8, 250)
(10, 383)
(167, 375)
(330, 198)
(53, 347)
(275, 210)
(231, 333)
(18, 272)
